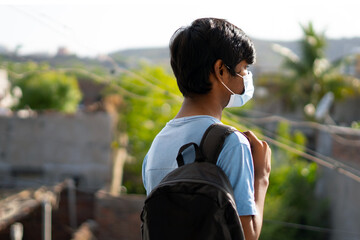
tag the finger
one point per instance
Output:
(251, 136)
(265, 144)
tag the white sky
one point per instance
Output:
(94, 27)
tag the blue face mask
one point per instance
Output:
(238, 100)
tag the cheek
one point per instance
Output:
(242, 87)
(238, 86)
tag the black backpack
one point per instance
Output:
(196, 200)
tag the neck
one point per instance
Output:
(200, 105)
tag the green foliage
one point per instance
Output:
(49, 90)
(290, 197)
(151, 99)
(308, 77)
(355, 125)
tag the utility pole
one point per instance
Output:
(46, 219)
(16, 231)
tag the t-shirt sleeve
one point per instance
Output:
(143, 172)
(236, 161)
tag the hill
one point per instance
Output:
(267, 59)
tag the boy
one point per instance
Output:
(210, 60)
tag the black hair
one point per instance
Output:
(195, 49)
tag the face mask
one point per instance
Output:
(238, 100)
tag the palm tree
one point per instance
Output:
(307, 78)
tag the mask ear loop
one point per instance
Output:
(226, 87)
(247, 72)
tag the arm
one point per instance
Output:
(262, 166)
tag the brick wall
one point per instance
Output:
(32, 222)
(118, 217)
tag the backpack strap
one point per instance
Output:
(213, 140)
(180, 159)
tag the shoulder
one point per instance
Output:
(236, 139)
(236, 152)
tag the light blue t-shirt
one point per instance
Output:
(235, 158)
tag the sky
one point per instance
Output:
(94, 27)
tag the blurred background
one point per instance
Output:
(86, 86)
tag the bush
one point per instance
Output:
(291, 203)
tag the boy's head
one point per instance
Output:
(195, 49)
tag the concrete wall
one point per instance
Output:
(51, 147)
(342, 192)
(346, 111)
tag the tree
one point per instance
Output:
(151, 99)
(49, 90)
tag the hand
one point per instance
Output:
(261, 153)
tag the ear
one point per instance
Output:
(219, 69)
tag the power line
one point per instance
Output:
(144, 80)
(324, 161)
(329, 162)
(329, 159)
(112, 61)
(310, 228)
(40, 19)
(90, 74)
(334, 130)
